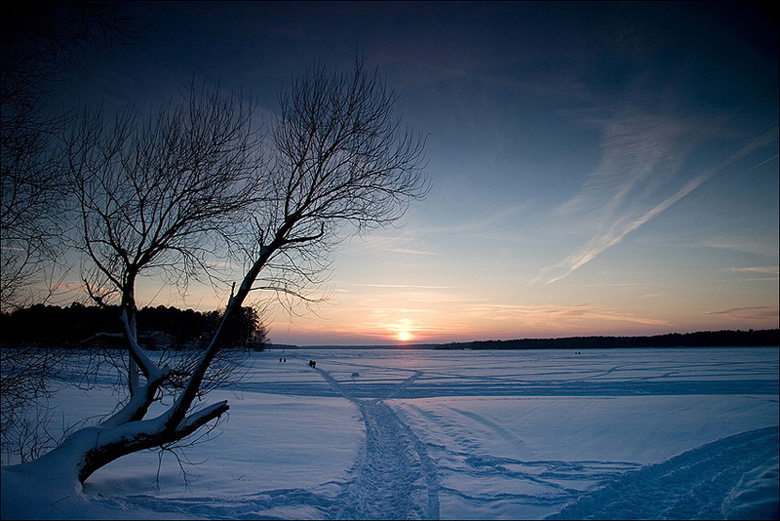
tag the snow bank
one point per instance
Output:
(741, 468)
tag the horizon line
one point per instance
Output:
(408, 345)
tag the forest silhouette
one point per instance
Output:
(78, 325)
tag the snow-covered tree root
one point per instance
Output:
(126, 432)
(90, 448)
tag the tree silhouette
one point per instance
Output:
(159, 199)
(40, 42)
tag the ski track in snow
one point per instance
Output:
(393, 478)
(548, 484)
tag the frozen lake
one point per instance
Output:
(426, 434)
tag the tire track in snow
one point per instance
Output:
(394, 478)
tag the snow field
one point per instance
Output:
(424, 434)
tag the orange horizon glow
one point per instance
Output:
(405, 316)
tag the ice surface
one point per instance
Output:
(404, 433)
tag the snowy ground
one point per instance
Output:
(389, 433)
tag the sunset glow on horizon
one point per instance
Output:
(595, 168)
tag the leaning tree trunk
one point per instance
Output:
(126, 431)
(341, 160)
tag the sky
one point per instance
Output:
(595, 168)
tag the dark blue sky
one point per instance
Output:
(596, 168)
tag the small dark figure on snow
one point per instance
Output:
(312, 363)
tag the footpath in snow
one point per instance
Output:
(393, 478)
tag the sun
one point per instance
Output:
(404, 336)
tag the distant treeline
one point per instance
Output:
(77, 323)
(765, 337)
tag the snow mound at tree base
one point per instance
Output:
(29, 492)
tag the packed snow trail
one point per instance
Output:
(393, 477)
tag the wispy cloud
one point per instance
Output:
(746, 313)
(481, 226)
(641, 160)
(639, 154)
(769, 270)
(746, 243)
(402, 243)
(545, 314)
(395, 286)
(614, 235)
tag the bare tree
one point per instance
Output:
(341, 163)
(341, 159)
(25, 387)
(40, 42)
(160, 199)
(156, 198)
